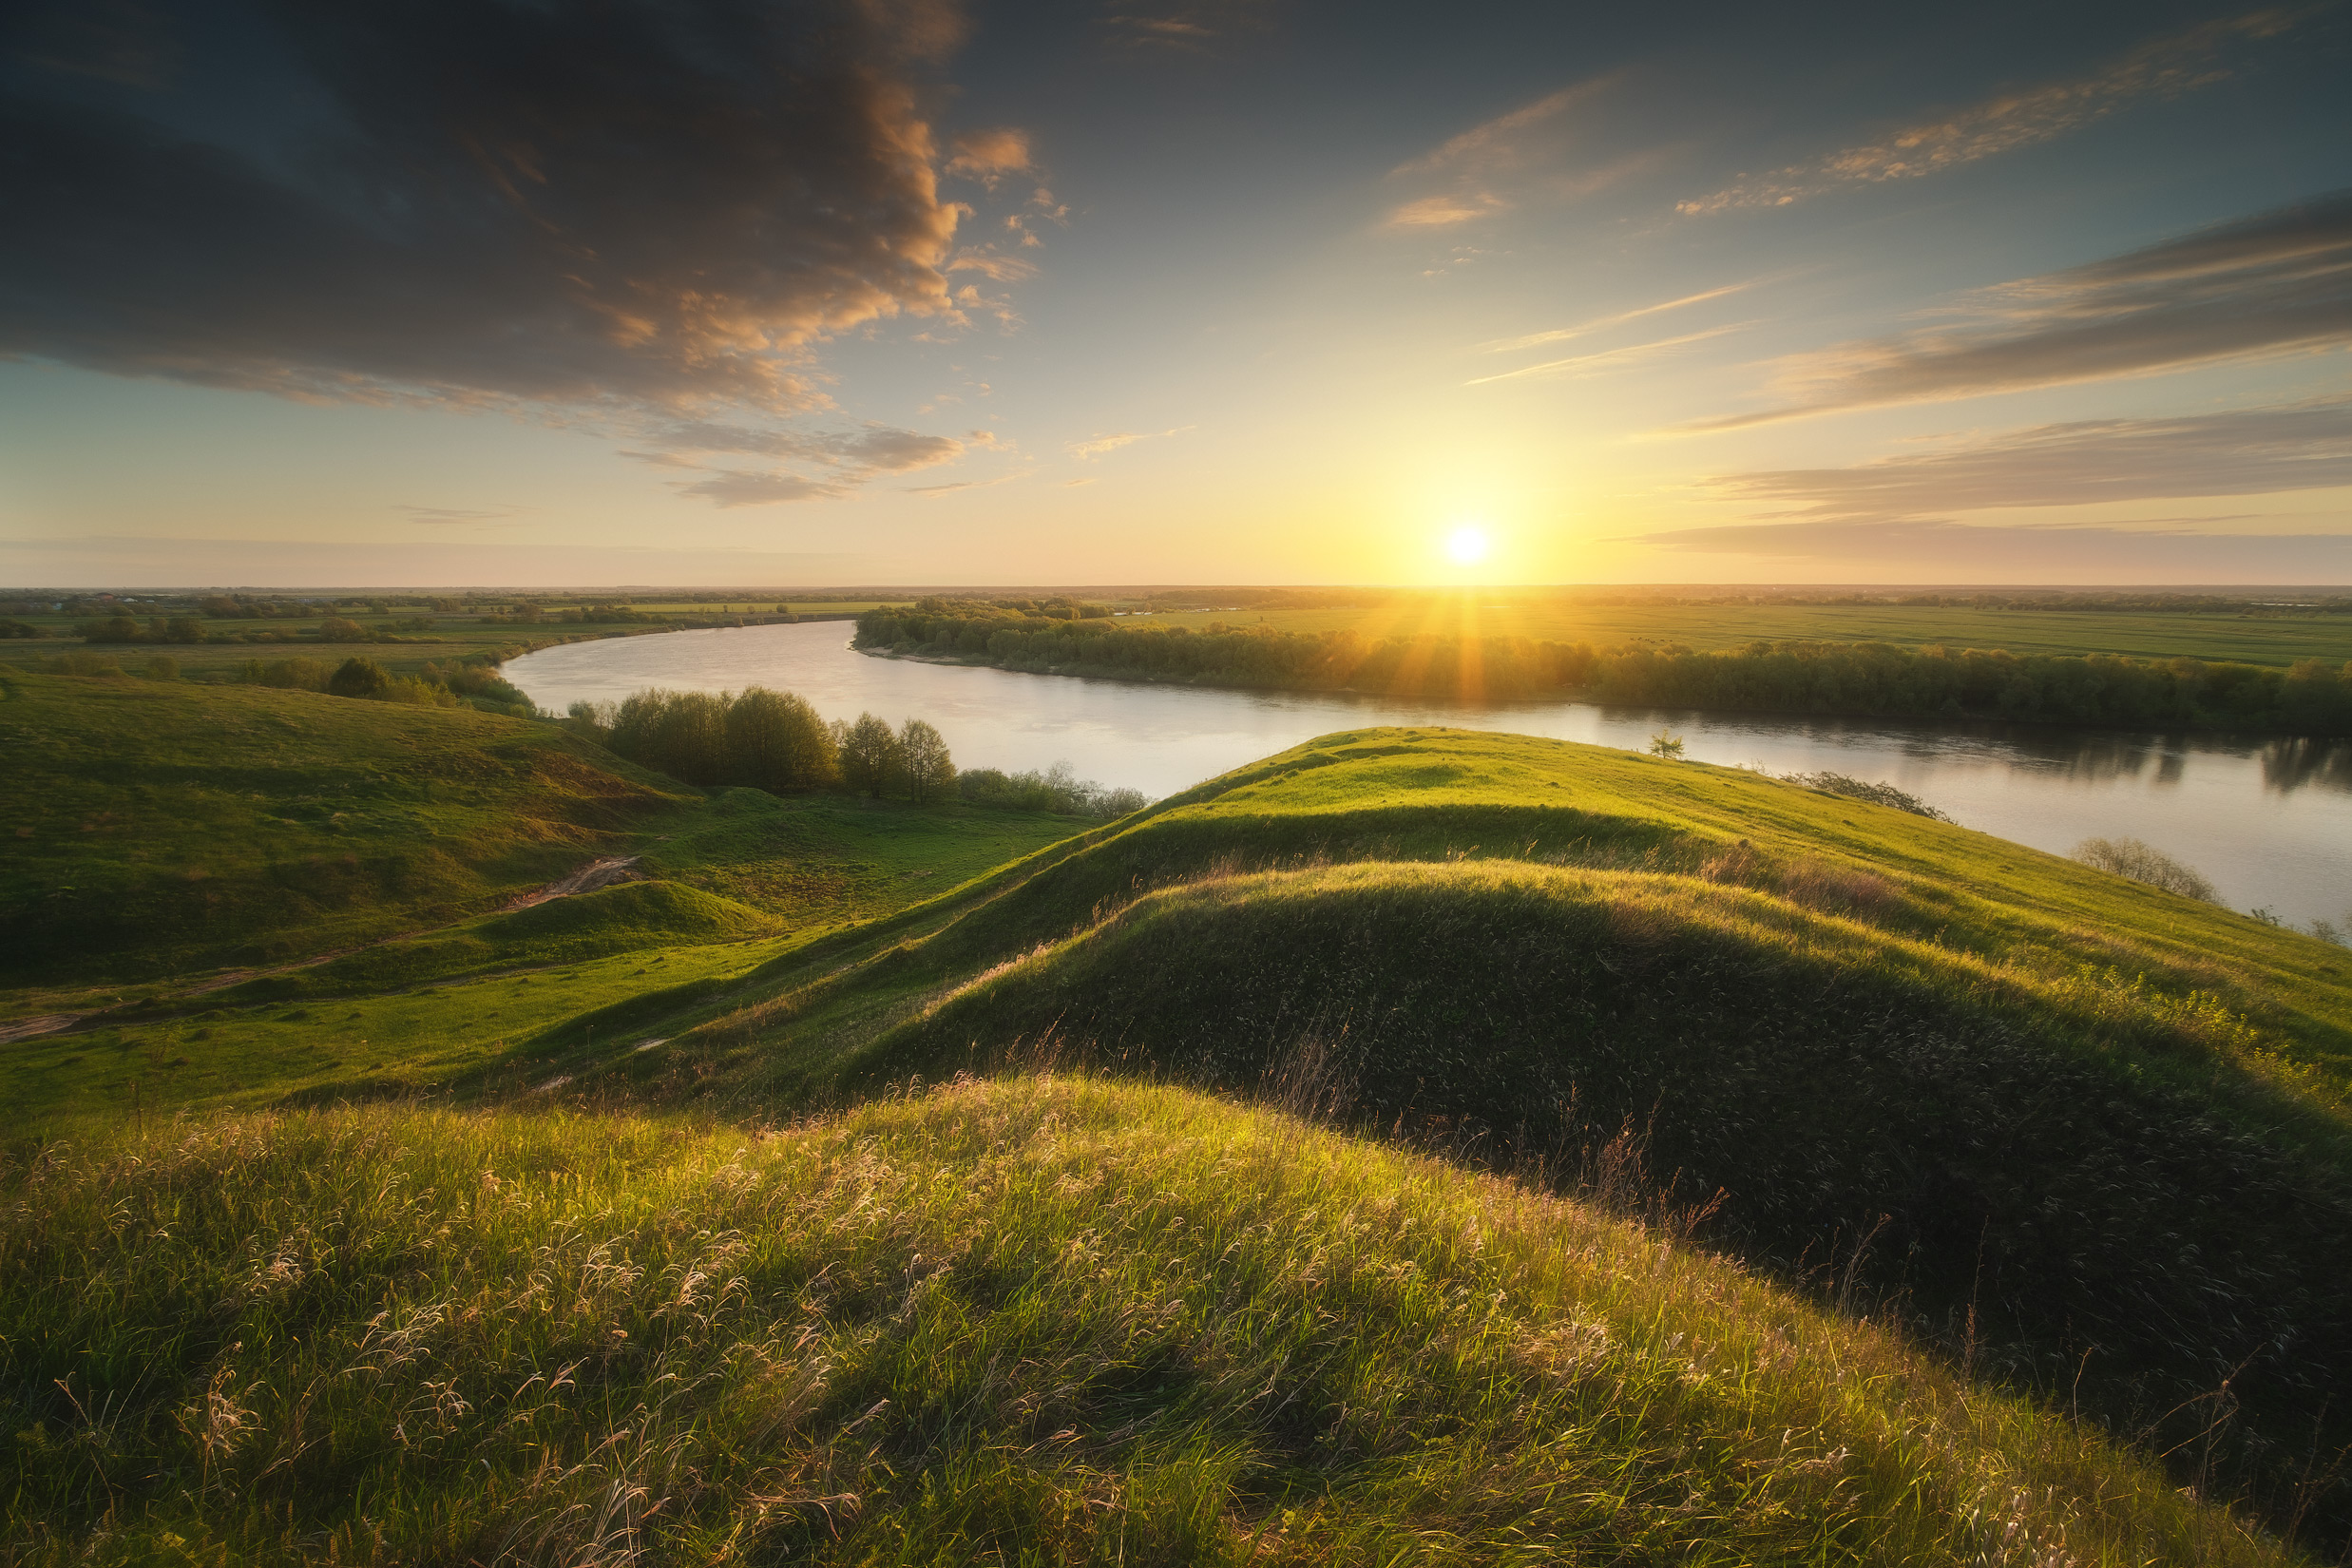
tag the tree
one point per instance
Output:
(1667, 746)
(868, 756)
(359, 677)
(924, 761)
(776, 742)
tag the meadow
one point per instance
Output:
(2239, 635)
(1417, 1146)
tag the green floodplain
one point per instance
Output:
(1419, 1146)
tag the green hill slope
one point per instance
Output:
(2094, 1135)
(156, 827)
(1037, 1321)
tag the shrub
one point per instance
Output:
(336, 628)
(359, 677)
(162, 667)
(2145, 863)
(1058, 791)
(1877, 795)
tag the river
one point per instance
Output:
(2269, 821)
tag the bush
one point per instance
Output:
(2145, 863)
(162, 667)
(359, 677)
(1877, 795)
(1058, 791)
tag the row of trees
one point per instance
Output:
(775, 741)
(1875, 679)
(770, 740)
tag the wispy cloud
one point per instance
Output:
(1494, 165)
(752, 488)
(966, 483)
(1186, 26)
(2250, 451)
(1098, 446)
(1561, 335)
(845, 459)
(2162, 67)
(1607, 359)
(453, 516)
(2275, 283)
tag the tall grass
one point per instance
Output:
(1044, 1320)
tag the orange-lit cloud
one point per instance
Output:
(988, 156)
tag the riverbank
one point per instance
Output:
(1851, 679)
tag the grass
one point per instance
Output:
(2067, 1141)
(2274, 639)
(2095, 1134)
(1039, 1322)
(164, 831)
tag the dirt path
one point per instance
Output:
(588, 879)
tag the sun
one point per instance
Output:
(1467, 545)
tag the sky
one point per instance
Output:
(484, 293)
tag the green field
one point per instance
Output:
(1417, 1146)
(2277, 640)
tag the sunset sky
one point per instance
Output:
(1242, 291)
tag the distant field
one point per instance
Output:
(2251, 640)
(448, 636)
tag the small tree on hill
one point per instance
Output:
(868, 756)
(1667, 746)
(359, 677)
(922, 759)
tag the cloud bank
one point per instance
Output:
(626, 209)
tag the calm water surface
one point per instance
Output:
(2269, 822)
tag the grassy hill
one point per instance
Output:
(1043, 1322)
(244, 893)
(2092, 1136)
(1918, 1144)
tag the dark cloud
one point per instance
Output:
(624, 207)
(2253, 451)
(2274, 283)
(1909, 551)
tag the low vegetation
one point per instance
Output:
(1040, 1321)
(1875, 679)
(2145, 863)
(1419, 1145)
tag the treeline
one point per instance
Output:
(775, 741)
(1865, 680)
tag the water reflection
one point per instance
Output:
(2269, 822)
(2288, 765)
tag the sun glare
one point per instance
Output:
(1466, 546)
